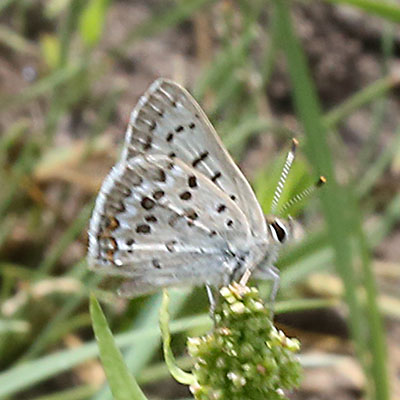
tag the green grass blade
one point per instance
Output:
(310, 115)
(137, 358)
(49, 331)
(38, 370)
(370, 93)
(224, 64)
(41, 87)
(67, 28)
(6, 3)
(387, 222)
(377, 341)
(48, 366)
(16, 41)
(336, 206)
(122, 383)
(294, 305)
(378, 166)
(69, 235)
(77, 393)
(381, 8)
(13, 325)
(172, 16)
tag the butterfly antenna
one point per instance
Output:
(284, 175)
(302, 195)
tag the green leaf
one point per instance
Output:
(123, 385)
(51, 50)
(92, 21)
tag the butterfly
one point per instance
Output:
(176, 209)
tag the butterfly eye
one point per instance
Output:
(278, 231)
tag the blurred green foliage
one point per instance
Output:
(47, 192)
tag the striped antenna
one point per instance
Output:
(302, 195)
(284, 175)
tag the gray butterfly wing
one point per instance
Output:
(161, 222)
(168, 121)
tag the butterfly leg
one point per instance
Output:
(270, 273)
(211, 299)
(274, 276)
(245, 277)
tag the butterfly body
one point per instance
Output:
(176, 209)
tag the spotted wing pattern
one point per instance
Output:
(158, 220)
(175, 209)
(168, 121)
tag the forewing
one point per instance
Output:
(163, 222)
(168, 121)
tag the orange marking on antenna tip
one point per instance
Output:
(321, 181)
(295, 143)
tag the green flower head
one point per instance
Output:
(245, 357)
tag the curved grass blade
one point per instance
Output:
(180, 375)
(122, 383)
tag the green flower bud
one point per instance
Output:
(245, 357)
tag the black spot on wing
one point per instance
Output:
(158, 194)
(192, 215)
(150, 218)
(216, 176)
(147, 203)
(221, 208)
(147, 144)
(199, 159)
(116, 208)
(132, 177)
(185, 195)
(192, 181)
(153, 126)
(161, 176)
(143, 228)
(170, 245)
(123, 189)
